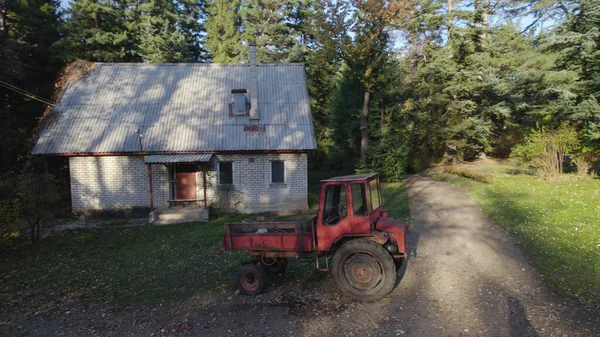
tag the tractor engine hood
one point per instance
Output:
(397, 231)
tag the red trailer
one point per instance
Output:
(350, 223)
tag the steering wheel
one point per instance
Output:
(333, 216)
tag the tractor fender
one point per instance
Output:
(377, 236)
(396, 230)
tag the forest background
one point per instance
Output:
(395, 85)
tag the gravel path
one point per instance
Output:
(465, 277)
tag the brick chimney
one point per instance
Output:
(253, 77)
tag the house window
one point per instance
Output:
(225, 173)
(238, 106)
(277, 172)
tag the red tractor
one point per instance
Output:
(350, 223)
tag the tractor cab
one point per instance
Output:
(351, 206)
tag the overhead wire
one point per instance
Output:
(26, 93)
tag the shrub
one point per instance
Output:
(545, 149)
(388, 156)
(38, 194)
(10, 208)
(482, 178)
(585, 162)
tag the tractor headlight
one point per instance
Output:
(391, 247)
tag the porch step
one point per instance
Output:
(180, 214)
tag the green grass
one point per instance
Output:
(148, 264)
(557, 223)
(122, 265)
(395, 200)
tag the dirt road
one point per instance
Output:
(465, 277)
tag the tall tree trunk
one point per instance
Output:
(486, 22)
(477, 21)
(485, 14)
(364, 126)
(450, 18)
(414, 50)
(382, 121)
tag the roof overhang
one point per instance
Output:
(178, 158)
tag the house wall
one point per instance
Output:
(115, 183)
(252, 190)
(121, 182)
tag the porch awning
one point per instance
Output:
(178, 158)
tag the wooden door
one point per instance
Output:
(185, 178)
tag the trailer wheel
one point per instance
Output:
(364, 270)
(275, 266)
(251, 279)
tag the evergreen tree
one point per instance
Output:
(133, 31)
(222, 28)
(160, 42)
(265, 22)
(95, 31)
(577, 42)
(27, 29)
(191, 17)
(358, 31)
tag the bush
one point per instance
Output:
(10, 208)
(585, 162)
(389, 157)
(482, 178)
(38, 194)
(545, 149)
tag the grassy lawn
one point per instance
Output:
(557, 223)
(148, 264)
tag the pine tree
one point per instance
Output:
(95, 31)
(160, 42)
(358, 30)
(577, 42)
(133, 31)
(265, 23)
(222, 29)
(27, 29)
(191, 16)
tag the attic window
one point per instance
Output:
(238, 107)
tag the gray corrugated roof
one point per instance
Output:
(179, 108)
(178, 158)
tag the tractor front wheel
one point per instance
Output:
(251, 279)
(364, 270)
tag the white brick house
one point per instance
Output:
(231, 136)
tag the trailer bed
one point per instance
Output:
(270, 235)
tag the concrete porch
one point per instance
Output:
(176, 214)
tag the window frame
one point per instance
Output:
(271, 173)
(344, 190)
(371, 208)
(219, 183)
(365, 200)
(232, 106)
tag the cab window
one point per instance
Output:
(336, 208)
(375, 201)
(359, 199)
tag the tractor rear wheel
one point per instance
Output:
(364, 270)
(251, 279)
